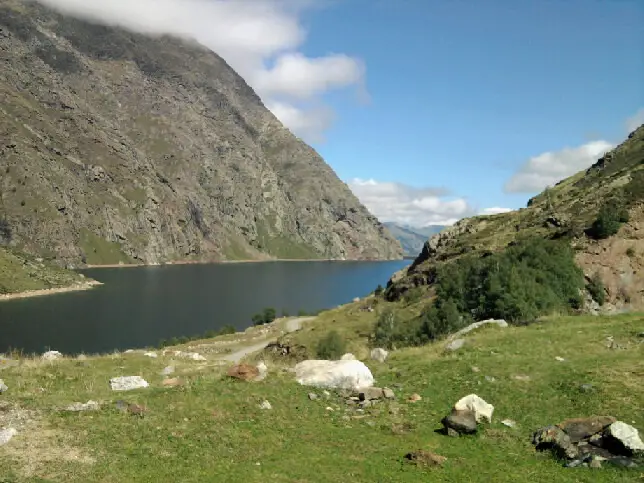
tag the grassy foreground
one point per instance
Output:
(212, 428)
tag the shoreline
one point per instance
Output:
(77, 287)
(226, 262)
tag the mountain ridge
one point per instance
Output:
(412, 238)
(122, 148)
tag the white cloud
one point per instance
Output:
(551, 167)
(251, 35)
(495, 210)
(635, 121)
(407, 205)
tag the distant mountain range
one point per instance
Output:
(411, 238)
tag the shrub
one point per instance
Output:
(609, 220)
(596, 289)
(391, 332)
(440, 319)
(227, 329)
(379, 290)
(265, 317)
(332, 346)
(630, 252)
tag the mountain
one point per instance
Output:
(412, 239)
(122, 148)
(599, 212)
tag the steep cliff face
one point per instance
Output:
(565, 211)
(116, 147)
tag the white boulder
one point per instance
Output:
(348, 357)
(150, 354)
(480, 408)
(499, 322)
(347, 374)
(127, 383)
(455, 345)
(627, 435)
(51, 355)
(379, 354)
(3, 386)
(6, 435)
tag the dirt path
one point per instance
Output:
(291, 325)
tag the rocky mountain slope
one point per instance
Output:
(567, 210)
(412, 239)
(116, 147)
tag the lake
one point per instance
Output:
(138, 307)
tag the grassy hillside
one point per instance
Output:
(212, 429)
(20, 273)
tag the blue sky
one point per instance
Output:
(462, 94)
(430, 110)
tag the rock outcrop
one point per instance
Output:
(121, 148)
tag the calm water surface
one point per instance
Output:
(138, 307)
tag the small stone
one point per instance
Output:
(370, 393)
(595, 463)
(51, 355)
(379, 354)
(265, 405)
(388, 393)
(167, 370)
(3, 387)
(329, 408)
(586, 388)
(150, 354)
(326, 394)
(263, 371)
(490, 378)
(521, 377)
(136, 409)
(88, 406)
(313, 396)
(455, 345)
(191, 355)
(475, 369)
(462, 421)
(481, 408)
(560, 359)
(172, 382)
(127, 383)
(6, 435)
(348, 357)
(245, 372)
(453, 433)
(425, 458)
(81, 357)
(509, 423)
(414, 398)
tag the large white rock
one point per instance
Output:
(500, 322)
(379, 354)
(127, 383)
(51, 355)
(627, 435)
(455, 345)
(348, 374)
(480, 408)
(3, 386)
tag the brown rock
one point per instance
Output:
(137, 409)
(172, 382)
(245, 372)
(370, 393)
(578, 429)
(414, 397)
(425, 458)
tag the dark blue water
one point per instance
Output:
(138, 307)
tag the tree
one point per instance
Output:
(331, 346)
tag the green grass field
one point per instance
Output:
(212, 428)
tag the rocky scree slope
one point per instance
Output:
(565, 211)
(117, 147)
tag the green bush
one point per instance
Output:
(596, 289)
(610, 218)
(227, 329)
(379, 290)
(332, 346)
(391, 332)
(265, 317)
(440, 319)
(630, 252)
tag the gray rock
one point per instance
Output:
(370, 393)
(313, 396)
(127, 383)
(556, 439)
(586, 388)
(455, 345)
(348, 357)
(490, 378)
(461, 421)
(388, 393)
(6, 435)
(167, 370)
(265, 405)
(627, 435)
(509, 423)
(379, 354)
(88, 406)
(3, 387)
(51, 355)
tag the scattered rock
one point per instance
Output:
(313, 396)
(265, 405)
(462, 421)
(475, 369)
(167, 370)
(245, 372)
(81, 357)
(509, 423)
(348, 374)
(370, 393)
(6, 435)
(501, 323)
(480, 408)
(521, 377)
(586, 388)
(326, 394)
(172, 382)
(51, 355)
(579, 429)
(455, 345)
(263, 371)
(490, 378)
(348, 357)
(414, 398)
(137, 409)
(560, 359)
(379, 354)
(150, 354)
(595, 463)
(127, 383)
(388, 393)
(627, 435)
(555, 439)
(356, 300)
(88, 406)
(425, 458)
(3, 387)
(191, 355)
